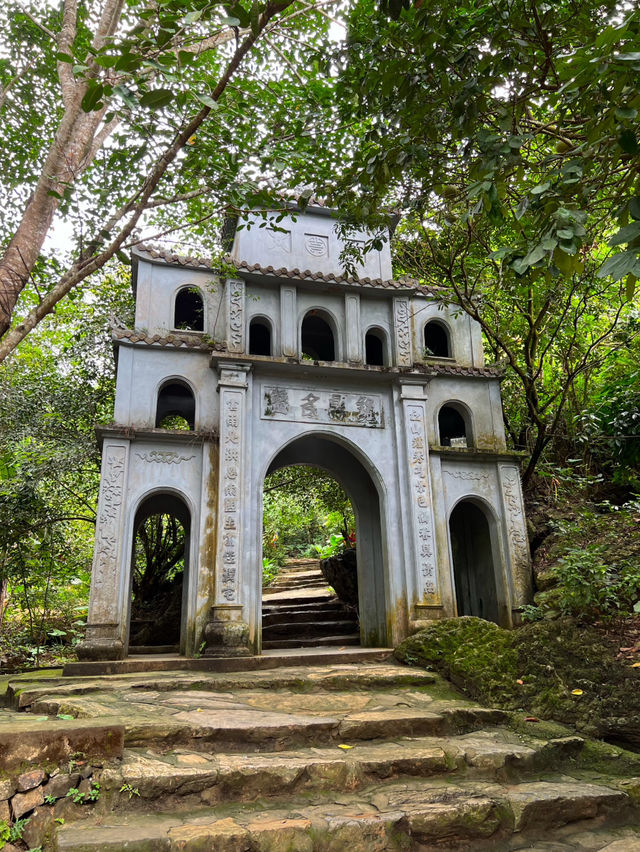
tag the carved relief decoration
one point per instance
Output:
(316, 245)
(319, 406)
(109, 522)
(278, 240)
(516, 529)
(467, 475)
(403, 331)
(236, 315)
(164, 457)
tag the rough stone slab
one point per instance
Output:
(29, 780)
(551, 803)
(56, 740)
(416, 811)
(23, 803)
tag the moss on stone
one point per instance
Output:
(539, 668)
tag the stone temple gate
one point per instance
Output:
(287, 361)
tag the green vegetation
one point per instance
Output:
(306, 513)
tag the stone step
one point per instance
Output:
(153, 649)
(295, 616)
(288, 629)
(409, 815)
(348, 639)
(300, 607)
(290, 585)
(284, 657)
(296, 599)
(195, 778)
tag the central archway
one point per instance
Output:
(324, 452)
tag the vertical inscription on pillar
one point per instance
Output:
(402, 332)
(421, 500)
(230, 483)
(109, 522)
(235, 342)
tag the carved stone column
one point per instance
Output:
(235, 315)
(288, 322)
(227, 632)
(421, 518)
(516, 533)
(401, 332)
(104, 638)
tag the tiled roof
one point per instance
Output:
(458, 370)
(175, 339)
(282, 272)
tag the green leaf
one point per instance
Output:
(156, 98)
(619, 265)
(92, 98)
(65, 57)
(630, 288)
(634, 207)
(535, 255)
(624, 113)
(628, 141)
(626, 234)
(65, 716)
(542, 187)
(206, 100)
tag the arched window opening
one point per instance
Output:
(374, 348)
(473, 562)
(259, 337)
(158, 569)
(452, 428)
(317, 339)
(189, 310)
(436, 340)
(176, 407)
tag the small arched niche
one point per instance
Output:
(188, 312)
(317, 340)
(159, 570)
(375, 348)
(176, 408)
(260, 337)
(474, 563)
(454, 426)
(437, 340)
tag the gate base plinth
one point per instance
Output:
(98, 648)
(226, 634)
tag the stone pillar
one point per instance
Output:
(227, 632)
(353, 330)
(516, 534)
(426, 587)
(105, 636)
(288, 322)
(401, 332)
(235, 315)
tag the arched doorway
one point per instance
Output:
(325, 453)
(474, 563)
(159, 572)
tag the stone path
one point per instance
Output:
(321, 759)
(300, 611)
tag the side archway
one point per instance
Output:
(158, 585)
(475, 560)
(342, 463)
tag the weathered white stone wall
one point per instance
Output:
(157, 287)
(481, 399)
(308, 243)
(143, 370)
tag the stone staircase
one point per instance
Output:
(299, 611)
(363, 758)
